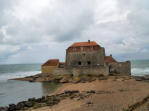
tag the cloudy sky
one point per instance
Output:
(32, 31)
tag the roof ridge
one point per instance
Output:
(89, 43)
(51, 62)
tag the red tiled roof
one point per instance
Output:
(109, 59)
(51, 62)
(79, 44)
(62, 63)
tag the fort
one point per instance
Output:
(86, 58)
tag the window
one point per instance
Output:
(88, 62)
(83, 54)
(79, 63)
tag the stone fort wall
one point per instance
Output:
(118, 68)
(85, 58)
(121, 68)
(104, 70)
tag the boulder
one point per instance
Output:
(56, 80)
(20, 105)
(3, 108)
(76, 80)
(92, 91)
(146, 77)
(103, 92)
(138, 78)
(43, 99)
(28, 104)
(53, 101)
(89, 103)
(31, 81)
(64, 80)
(102, 78)
(32, 99)
(12, 107)
(71, 92)
(39, 100)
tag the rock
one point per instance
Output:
(148, 107)
(53, 101)
(44, 99)
(146, 77)
(120, 79)
(32, 99)
(93, 79)
(62, 96)
(76, 80)
(81, 96)
(28, 104)
(72, 97)
(39, 100)
(104, 92)
(139, 78)
(87, 94)
(71, 92)
(89, 103)
(20, 105)
(84, 80)
(64, 80)
(12, 107)
(142, 78)
(123, 90)
(102, 78)
(31, 81)
(3, 108)
(56, 80)
(92, 91)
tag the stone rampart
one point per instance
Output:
(101, 70)
(121, 68)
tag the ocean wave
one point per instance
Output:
(6, 76)
(140, 71)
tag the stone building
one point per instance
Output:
(87, 58)
(48, 66)
(85, 54)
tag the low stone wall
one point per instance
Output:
(104, 70)
(61, 71)
(122, 68)
(48, 69)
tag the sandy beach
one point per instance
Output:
(113, 94)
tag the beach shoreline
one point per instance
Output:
(96, 93)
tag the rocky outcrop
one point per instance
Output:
(62, 78)
(48, 100)
(137, 104)
(3, 108)
(142, 78)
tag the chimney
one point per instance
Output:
(111, 55)
(89, 41)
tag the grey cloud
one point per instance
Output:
(66, 22)
(74, 20)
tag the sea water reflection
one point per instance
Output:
(15, 91)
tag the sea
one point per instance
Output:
(12, 91)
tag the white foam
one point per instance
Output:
(6, 76)
(140, 71)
